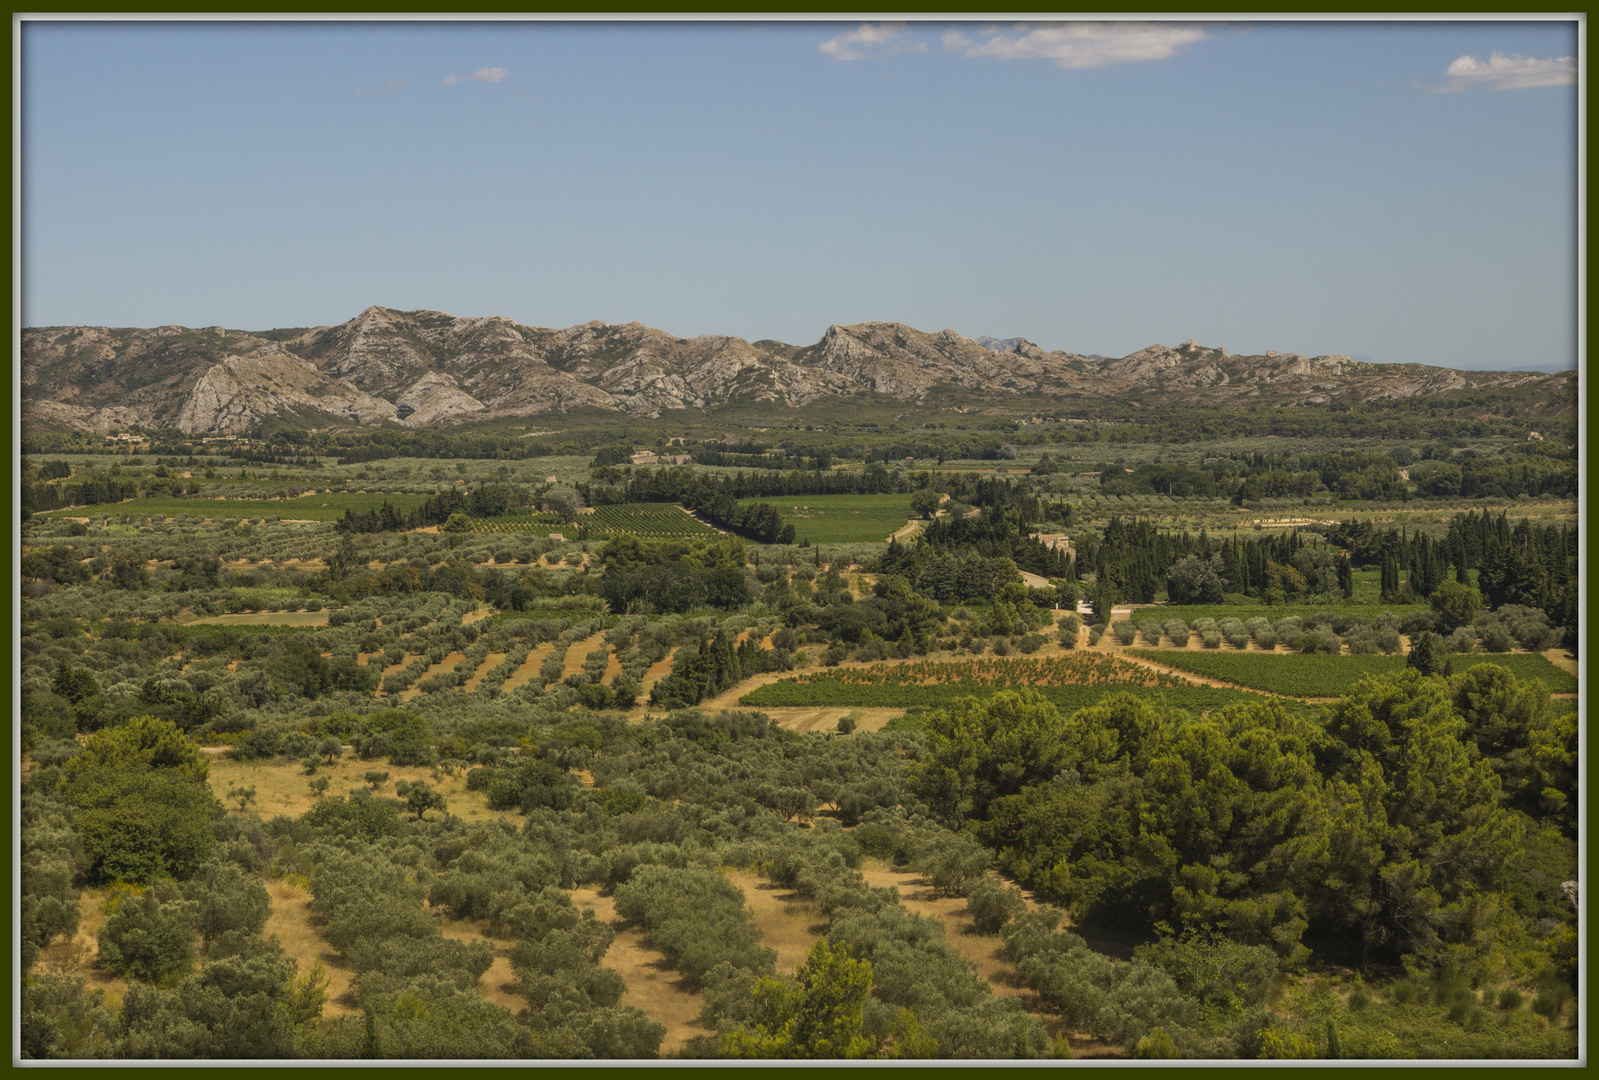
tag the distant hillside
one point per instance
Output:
(421, 368)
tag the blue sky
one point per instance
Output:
(1397, 192)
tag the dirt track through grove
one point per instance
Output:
(652, 985)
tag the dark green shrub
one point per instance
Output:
(992, 905)
(150, 934)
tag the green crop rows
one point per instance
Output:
(653, 521)
(1313, 675)
(1070, 681)
(319, 507)
(935, 684)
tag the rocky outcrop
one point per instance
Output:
(240, 392)
(432, 398)
(424, 368)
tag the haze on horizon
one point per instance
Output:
(1399, 192)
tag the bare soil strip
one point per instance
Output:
(265, 618)
(658, 671)
(652, 985)
(579, 651)
(979, 950)
(490, 662)
(530, 667)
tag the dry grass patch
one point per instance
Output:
(284, 788)
(652, 986)
(490, 662)
(499, 983)
(789, 923)
(795, 718)
(80, 954)
(291, 923)
(530, 667)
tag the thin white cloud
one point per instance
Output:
(884, 39)
(383, 88)
(493, 74)
(1513, 72)
(1078, 44)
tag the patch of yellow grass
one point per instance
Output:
(530, 667)
(285, 789)
(292, 924)
(652, 986)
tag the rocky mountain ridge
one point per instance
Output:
(423, 368)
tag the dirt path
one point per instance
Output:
(911, 528)
(1190, 676)
(652, 985)
(728, 699)
(701, 520)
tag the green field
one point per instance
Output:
(1071, 682)
(319, 507)
(1189, 612)
(1067, 699)
(1325, 675)
(842, 519)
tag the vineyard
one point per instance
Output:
(1315, 675)
(1070, 682)
(653, 521)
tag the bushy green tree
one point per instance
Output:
(819, 1014)
(150, 935)
(224, 899)
(984, 750)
